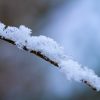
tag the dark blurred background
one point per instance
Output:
(74, 24)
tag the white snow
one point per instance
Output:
(48, 47)
(75, 71)
(22, 37)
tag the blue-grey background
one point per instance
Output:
(75, 24)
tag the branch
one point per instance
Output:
(47, 49)
(37, 53)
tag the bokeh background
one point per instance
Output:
(75, 24)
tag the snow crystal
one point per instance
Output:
(48, 47)
(22, 37)
(74, 71)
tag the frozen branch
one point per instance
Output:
(50, 51)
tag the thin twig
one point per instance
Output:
(39, 54)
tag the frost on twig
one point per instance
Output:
(50, 51)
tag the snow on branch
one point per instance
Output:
(49, 50)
